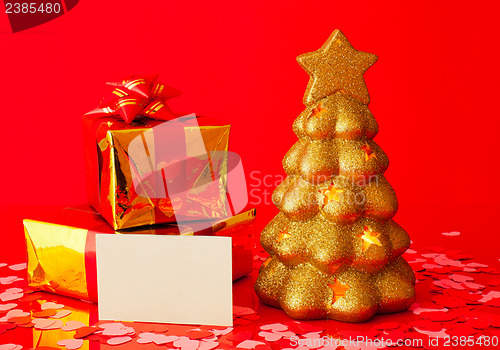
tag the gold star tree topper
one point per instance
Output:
(336, 66)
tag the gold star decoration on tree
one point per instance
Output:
(369, 153)
(369, 237)
(331, 194)
(336, 66)
(283, 235)
(339, 290)
(317, 110)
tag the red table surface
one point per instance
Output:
(478, 238)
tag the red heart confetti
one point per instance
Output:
(240, 336)
(18, 267)
(20, 320)
(439, 316)
(11, 294)
(119, 340)
(47, 324)
(477, 323)
(495, 302)
(30, 297)
(275, 327)
(252, 317)
(493, 282)
(249, 344)
(387, 325)
(426, 325)
(242, 311)
(9, 306)
(51, 305)
(84, 331)
(44, 313)
(10, 346)
(186, 344)
(73, 326)
(196, 334)
(151, 327)
(71, 344)
(241, 322)
(61, 314)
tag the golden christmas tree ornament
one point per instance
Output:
(335, 251)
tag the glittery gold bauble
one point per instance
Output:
(335, 251)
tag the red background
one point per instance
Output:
(434, 91)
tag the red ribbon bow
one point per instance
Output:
(138, 96)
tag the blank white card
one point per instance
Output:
(165, 279)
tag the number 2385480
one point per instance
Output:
(31, 7)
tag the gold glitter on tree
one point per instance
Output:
(335, 204)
